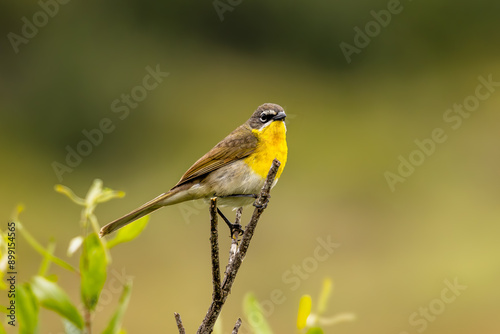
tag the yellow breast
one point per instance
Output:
(271, 145)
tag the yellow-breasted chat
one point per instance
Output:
(234, 170)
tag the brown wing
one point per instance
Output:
(237, 145)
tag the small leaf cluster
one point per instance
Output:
(308, 322)
(43, 290)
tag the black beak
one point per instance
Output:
(281, 115)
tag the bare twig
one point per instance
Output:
(260, 205)
(239, 212)
(214, 236)
(237, 256)
(234, 241)
(180, 326)
(236, 326)
(88, 320)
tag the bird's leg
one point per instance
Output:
(236, 227)
(232, 227)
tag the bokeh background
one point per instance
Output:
(348, 124)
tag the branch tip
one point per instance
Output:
(180, 326)
(236, 326)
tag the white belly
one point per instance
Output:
(234, 179)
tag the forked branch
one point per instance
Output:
(236, 255)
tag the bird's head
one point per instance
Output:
(265, 115)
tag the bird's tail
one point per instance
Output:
(143, 210)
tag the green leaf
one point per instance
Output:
(4, 257)
(305, 305)
(129, 232)
(98, 194)
(2, 329)
(108, 194)
(253, 313)
(39, 248)
(52, 277)
(93, 264)
(324, 296)
(68, 192)
(44, 267)
(94, 192)
(338, 318)
(27, 310)
(74, 245)
(315, 330)
(70, 328)
(114, 326)
(52, 297)
(15, 215)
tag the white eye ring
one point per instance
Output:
(264, 117)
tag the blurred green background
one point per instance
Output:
(348, 124)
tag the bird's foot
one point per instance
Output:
(235, 229)
(263, 205)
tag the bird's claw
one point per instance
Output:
(263, 205)
(236, 228)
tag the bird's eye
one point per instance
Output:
(264, 117)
